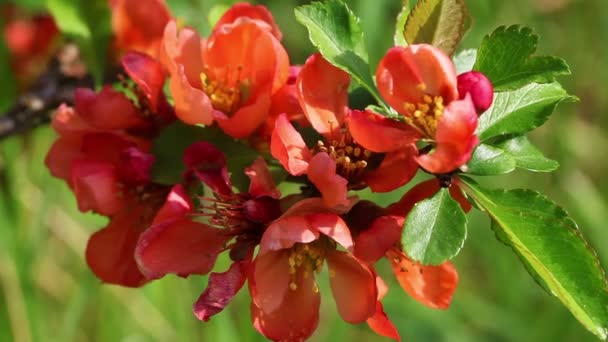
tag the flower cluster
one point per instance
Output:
(239, 82)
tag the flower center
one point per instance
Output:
(308, 258)
(425, 115)
(227, 92)
(351, 159)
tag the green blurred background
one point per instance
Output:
(48, 294)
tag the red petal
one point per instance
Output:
(136, 165)
(147, 73)
(271, 279)
(257, 12)
(455, 138)
(96, 187)
(333, 187)
(69, 124)
(192, 105)
(138, 25)
(457, 194)
(323, 94)
(181, 247)
(182, 47)
(221, 288)
(208, 164)
(60, 156)
(176, 207)
(416, 194)
(432, 286)
(378, 133)
(110, 251)
(262, 183)
(287, 231)
(382, 325)
(246, 119)
(397, 169)
(288, 147)
(253, 55)
(373, 243)
(403, 71)
(296, 318)
(106, 110)
(353, 286)
(333, 226)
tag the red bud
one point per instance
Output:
(479, 87)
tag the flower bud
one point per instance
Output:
(479, 87)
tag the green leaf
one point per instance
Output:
(88, 22)
(464, 60)
(336, 32)
(435, 229)
(552, 247)
(489, 160)
(436, 22)
(169, 148)
(526, 155)
(505, 57)
(521, 110)
(398, 36)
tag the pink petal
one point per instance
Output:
(221, 288)
(323, 94)
(192, 105)
(246, 119)
(288, 147)
(182, 47)
(106, 110)
(353, 286)
(333, 187)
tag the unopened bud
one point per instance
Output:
(479, 87)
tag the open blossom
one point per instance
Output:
(177, 243)
(102, 154)
(379, 235)
(229, 77)
(337, 163)
(419, 82)
(292, 250)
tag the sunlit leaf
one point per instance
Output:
(553, 249)
(435, 229)
(437, 22)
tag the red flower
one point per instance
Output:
(432, 286)
(30, 41)
(419, 82)
(138, 25)
(294, 247)
(233, 221)
(230, 77)
(338, 163)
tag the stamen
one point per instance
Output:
(425, 116)
(228, 93)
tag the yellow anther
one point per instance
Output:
(421, 87)
(293, 286)
(427, 99)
